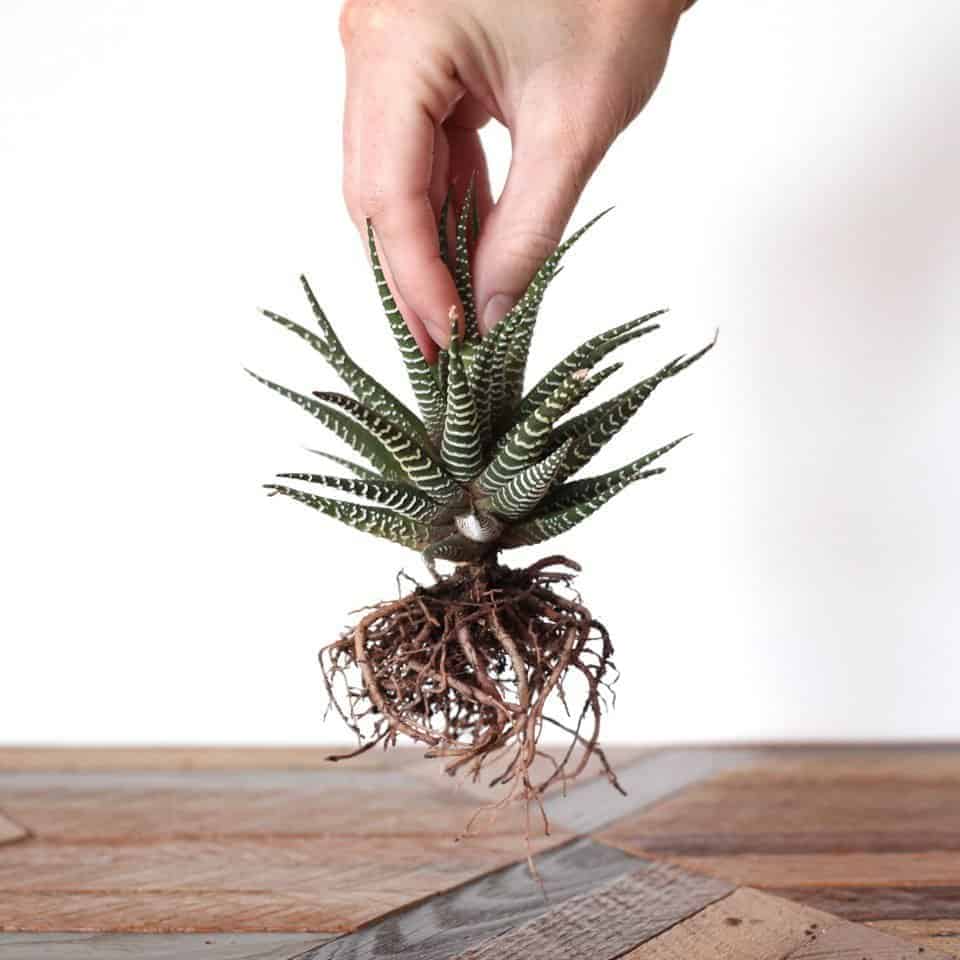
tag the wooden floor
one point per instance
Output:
(801, 853)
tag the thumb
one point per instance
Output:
(548, 172)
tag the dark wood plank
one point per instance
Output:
(127, 946)
(594, 804)
(879, 903)
(455, 921)
(608, 921)
(751, 925)
(938, 934)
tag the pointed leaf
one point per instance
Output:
(461, 447)
(362, 472)
(416, 463)
(375, 520)
(344, 427)
(422, 377)
(442, 240)
(461, 271)
(522, 493)
(401, 497)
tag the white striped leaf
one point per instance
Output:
(416, 462)
(461, 270)
(461, 447)
(362, 472)
(344, 427)
(422, 378)
(401, 497)
(522, 493)
(375, 520)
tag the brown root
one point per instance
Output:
(468, 666)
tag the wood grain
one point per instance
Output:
(751, 925)
(609, 920)
(943, 935)
(460, 919)
(922, 868)
(10, 830)
(592, 805)
(119, 946)
(879, 903)
(877, 802)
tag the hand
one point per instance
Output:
(423, 76)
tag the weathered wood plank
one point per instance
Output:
(879, 903)
(127, 946)
(592, 805)
(943, 935)
(609, 920)
(10, 830)
(924, 868)
(460, 919)
(751, 925)
(750, 811)
(239, 884)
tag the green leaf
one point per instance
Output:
(461, 448)
(527, 441)
(344, 427)
(588, 354)
(401, 497)
(364, 386)
(456, 548)
(522, 493)
(442, 240)
(415, 461)
(422, 377)
(362, 472)
(461, 270)
(582, 491)
(375, 520)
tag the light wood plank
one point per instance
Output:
(879, 903)
(751, 925)
(924, 868)
(941, 934)
(458, 920)
(609, 920)
(120, 946)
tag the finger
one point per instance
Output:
(551, 163)
(389, 161)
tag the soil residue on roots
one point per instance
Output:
(468, 666)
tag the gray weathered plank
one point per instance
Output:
(879, 902)
(155, 946)
(452, 922)
(608, 921)
(594, 804)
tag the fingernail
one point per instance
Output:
(498, 306)
(439, 333)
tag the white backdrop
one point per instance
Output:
(165, 168)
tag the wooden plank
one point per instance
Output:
(750, 925)
(939, 934)
(861, 808)
(879, 903)
(238, 884)
(927, 867)
(592, 805)
(460, 919)
(608, 921)
(10, 830)
(186, 946)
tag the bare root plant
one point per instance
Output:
(469, 666)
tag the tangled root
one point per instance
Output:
(467, 667)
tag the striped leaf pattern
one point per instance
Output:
(483, 468)
(588, 354)
(422, 377)
(415, 462)
(522, 493)
(461, 447)
(461, 270)
(375, 520)
(344, 427)
(570, 494)
(401, 497)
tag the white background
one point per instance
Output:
(166, 168)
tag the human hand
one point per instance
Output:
(423, 76)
